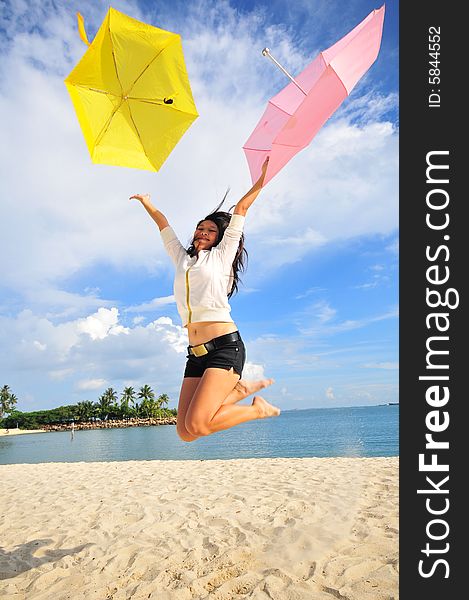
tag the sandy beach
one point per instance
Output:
(268, 529)
(20, 431)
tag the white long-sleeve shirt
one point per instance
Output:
(202, 282)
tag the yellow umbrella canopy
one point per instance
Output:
(131, 93)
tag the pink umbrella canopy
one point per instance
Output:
(294, 116)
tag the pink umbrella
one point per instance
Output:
(294, 116)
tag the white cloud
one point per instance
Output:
(174, 335)
(372, 393)
(309, 292)
(293, 247)
(83, 355)
(317, 315)
(379, 277)
(253, 371)
(394, 246)
(330, 394)
(382, 365)
(320, 319)
(286, 397)
(102, 324)
(153, 305)
(60, 374)
(91, 384)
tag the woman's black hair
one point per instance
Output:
(222, 220)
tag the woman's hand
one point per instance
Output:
(142, 197)
(154, 213)
(265, 164)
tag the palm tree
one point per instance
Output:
(8, 400)
(13, 402)
(111, 396)
(127, 398)
(85, 410)
(163, 400)
(147, 395)
(103, 406)
(148, 407)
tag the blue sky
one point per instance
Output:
(85, 286)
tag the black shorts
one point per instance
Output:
(231, 355)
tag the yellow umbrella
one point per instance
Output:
(131, 93)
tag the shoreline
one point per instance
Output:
(6, 432)
(290, 528)
(93, 425)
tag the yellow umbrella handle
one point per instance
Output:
(81, 29)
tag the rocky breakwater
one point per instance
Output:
(170, 420)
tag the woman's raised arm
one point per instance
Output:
(242, 207)
(154, 213)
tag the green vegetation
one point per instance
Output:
(109, 406)
(8, 400)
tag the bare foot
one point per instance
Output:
(265, 409)
(245, 388)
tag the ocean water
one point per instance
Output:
(321, 432)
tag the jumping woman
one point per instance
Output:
(206, 277)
